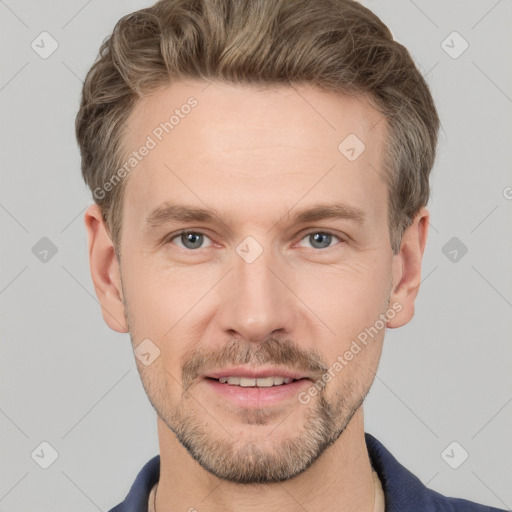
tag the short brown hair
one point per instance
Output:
(335, 45)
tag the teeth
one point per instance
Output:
(263, 382)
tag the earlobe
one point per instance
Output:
(104, 269)
(407, 269)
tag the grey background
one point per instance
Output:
(66, 379)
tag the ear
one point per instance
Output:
(105, 270)
(407, 269)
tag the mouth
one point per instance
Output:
(260, 382)
(247, 387)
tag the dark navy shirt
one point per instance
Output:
(404, 492)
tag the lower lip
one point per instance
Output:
(258, 397)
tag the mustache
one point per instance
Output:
(273, 351)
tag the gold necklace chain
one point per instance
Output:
(374, 494)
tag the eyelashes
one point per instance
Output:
(192, 240)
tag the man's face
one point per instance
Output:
(257, 289)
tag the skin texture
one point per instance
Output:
(257, 157)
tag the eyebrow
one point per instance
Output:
(168, 212)
(330, 211)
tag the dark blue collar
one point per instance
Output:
(404, 492)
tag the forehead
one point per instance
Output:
(238, 147)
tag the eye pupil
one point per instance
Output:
(323, 239)
(192, 240)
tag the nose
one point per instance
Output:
(257, 301)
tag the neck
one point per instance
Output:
(340, 479)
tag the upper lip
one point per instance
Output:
(260, 373)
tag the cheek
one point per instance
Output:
(160, 295)
(349, 299)
(347, 296)
(170, 306)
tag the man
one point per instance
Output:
(261, 172)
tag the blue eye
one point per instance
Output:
(190, 239)
(321, 239)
